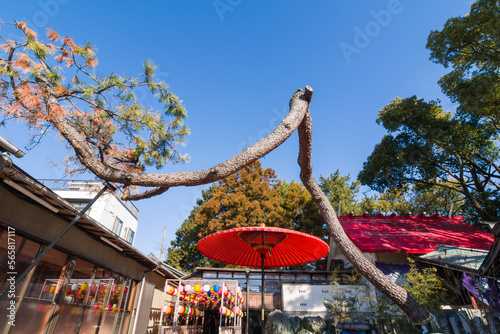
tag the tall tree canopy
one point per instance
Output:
(429, 146)
(100, 119)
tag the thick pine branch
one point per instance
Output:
(84, 151)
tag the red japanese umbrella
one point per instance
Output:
(262, 246)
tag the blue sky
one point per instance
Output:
(236, 63)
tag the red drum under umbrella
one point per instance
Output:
(263, 246)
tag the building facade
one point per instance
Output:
(118, 216)
(90, 281)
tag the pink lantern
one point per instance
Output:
(187, 288)
(101, 288)
(169, 289)
(236, 309)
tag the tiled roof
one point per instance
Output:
(412, 234)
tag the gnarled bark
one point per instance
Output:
(396, 293)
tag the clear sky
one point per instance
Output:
(236, 63)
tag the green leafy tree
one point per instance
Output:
(300, 210)
(393, 200)
(429, 146)
(341, 192)
(417, 199)
(470, 45)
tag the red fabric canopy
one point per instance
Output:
(282, 247)
(412, 234)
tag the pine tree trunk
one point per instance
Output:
(396, 293)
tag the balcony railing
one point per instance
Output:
(86, 185)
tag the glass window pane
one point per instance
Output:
(209, 274)
(287, 278)
(303, 278)
(272, 276)
(272, 286)
(44, 285)
(319, 278)
(225, 275)
(76, 303)
(255, 276)
(16, 254)
(117, 227)
(99, 293)
(239, 275)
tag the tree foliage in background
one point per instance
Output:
(341, 192)
(428, 146)
(247, 198)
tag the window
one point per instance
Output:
(117, 227)
(303, 278)
(129, 235)
(272, 286)
(226, 275)
(211, 275)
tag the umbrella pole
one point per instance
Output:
(262, 257)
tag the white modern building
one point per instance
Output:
(120, 217)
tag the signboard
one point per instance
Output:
(311, 298)
(305, 297)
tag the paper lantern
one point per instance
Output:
(46, 288)
(169, 289)
(115, 288)
(102, 288)
(74, 287)
(197, 288)
(180, 288)
(236, 309)
(215, 288)
(84, 287)
(188, 288)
